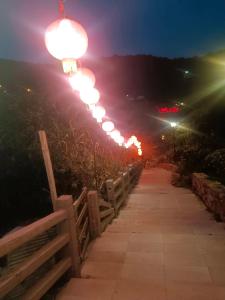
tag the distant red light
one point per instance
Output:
(164, 110)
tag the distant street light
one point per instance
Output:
(173, 124)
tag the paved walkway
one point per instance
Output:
(163, 246)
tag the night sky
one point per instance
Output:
(171, 28)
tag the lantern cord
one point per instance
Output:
(62, 8)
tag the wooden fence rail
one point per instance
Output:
(75, 224)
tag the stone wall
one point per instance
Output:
(211, 192)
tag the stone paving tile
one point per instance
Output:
(156, 259)
(185, 274)
(184, 258)
(145, 237)
(174, 229)
(182, 248)
(101, 270)
(179, 238)
(116, 236)
(215, 259)
(131, 290)
(219, 293)
(188, 291)
(106, 256)
(218, 275)
(144, 273)
(109, 244)
(145, 246)
(89, 289)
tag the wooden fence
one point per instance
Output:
(73, 225)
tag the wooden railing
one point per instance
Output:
(61, 242)
(74, 224)
(82, 222)
(118, 190)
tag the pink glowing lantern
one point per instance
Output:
(108, 126)
(82, 79)
(98, 113)
(66, 40)
(120, 140)
(115, 134)
(90, 96)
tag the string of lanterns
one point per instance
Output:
(67, 40)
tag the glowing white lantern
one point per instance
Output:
(108, 126)
(66, 39)
(83, 79)
(120, 140)
(115, 134)
(90, 96)
(98, 113)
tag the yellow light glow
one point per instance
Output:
(69, 66)
(140, 152)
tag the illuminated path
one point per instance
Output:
(163, 245)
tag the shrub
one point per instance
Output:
(82, 154)
(215, 165)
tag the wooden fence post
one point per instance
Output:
(123, 185)
(126, 180)
(110, 193)
(94, 214)
(130, 177)
(69, 226)
(48, 167)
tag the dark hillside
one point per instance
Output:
(34, 97)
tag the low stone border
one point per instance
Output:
(211, 192)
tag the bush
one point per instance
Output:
(215, 165)
(82, 154)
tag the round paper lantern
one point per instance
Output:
(90, 96)
(66, 39)
(98, 113)
(119, 140)
(115, 134)
(108, 126)
(83, 79)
